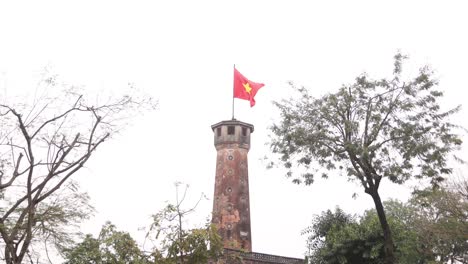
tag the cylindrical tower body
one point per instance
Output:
(231, 209)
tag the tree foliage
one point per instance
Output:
(370, 130)
(44, 141)
(175, 243)
(385, 128)
(337, 237)
(441, 221)
(171, 241)
(431, 227)
(57, 221)
(111, 246)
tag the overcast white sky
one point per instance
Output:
(182, 53)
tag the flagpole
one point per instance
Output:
(233, 80)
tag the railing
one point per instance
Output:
(266, 258)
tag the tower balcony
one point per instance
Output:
(232, 132)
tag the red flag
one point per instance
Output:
(245, 89)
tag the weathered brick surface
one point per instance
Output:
(231, 209)
(231, 201)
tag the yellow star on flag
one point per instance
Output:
(247, 87)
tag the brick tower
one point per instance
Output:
(231, 209)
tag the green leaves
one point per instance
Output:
(373, 128)
(441, 220)
(112, 246)
(171, 241)
(175, 243)
(431, 228)
(337, 237)
(370, 129)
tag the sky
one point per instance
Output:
(182, 53)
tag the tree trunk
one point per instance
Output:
(10, 254)
(389, 248)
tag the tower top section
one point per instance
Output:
(229, 132)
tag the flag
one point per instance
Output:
(244, 88)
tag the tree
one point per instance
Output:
(111, 246)
(57, 221)
(87, 251)
(431, 227)
(42, 145)
(371, 129)
(174, 243)
(360, 239)
(334, 237)
(441, 221)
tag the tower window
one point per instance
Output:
(218, 131)
(244, 131)
(230, 130)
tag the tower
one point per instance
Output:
(231, 208)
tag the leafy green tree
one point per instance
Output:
(409, 247)
(87, 251)
(112, 246)
(174, 243)
(430, 228)
(325, 226)
(370, 130)
(360, 240)
(441, 221)
(337, 237)
(321, 226)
